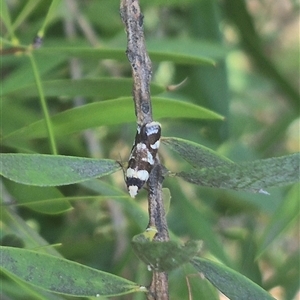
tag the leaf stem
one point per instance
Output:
(43, 103)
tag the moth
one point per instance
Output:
(142, 156)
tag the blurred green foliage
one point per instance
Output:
(253, 84)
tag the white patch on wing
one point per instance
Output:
(133, 190)
(142, 175)
(152, 128)
(140, 146)
(131, 173)
(155, 145)
(150, 158)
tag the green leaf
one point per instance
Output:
(6, 19)
(286, 275)
(174, 109)
(285, 216)
(11, 120)
(112, 112)
(197, 155)
(166, 53)
(15, 225)
(106, 88)
(22, 73)
(130, 205)
(27, 9)
(52, 12)
(200, 225)
(61, 276)
(164, 256)
(251, 176)
(53, 170)
(183, 50)
(232, 284)
(171, 3)
(40, 199)
(17, 289)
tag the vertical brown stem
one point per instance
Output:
(159, 288)
(141, 71)
(138, 58)
(156, 209)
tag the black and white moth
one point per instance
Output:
(142, 156)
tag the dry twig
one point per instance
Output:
(139, 59)
(141, 71)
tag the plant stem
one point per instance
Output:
(139, 59)
(157, 218)
(43, 104)
(141, 72)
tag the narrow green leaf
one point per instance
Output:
(28, 8)
(51, 14)
(200, 225)
(17, 289)
(286, 275)
(174, 109)
(37, 198)
(15, 225)
(251, 176)
(11, 121)
(84, 52)
(22, 74)
(232, 284)
(166, 195)
(164, 256)
(197, 155)
(130, 205)
(112, 112)
(174, 3)
(106, 88)
(168, 53)
(186, 48)
(53, 170)
(286, 215)
(61, 276)
(5, 17)
(180, 58)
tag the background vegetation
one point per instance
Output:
(253, 84)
